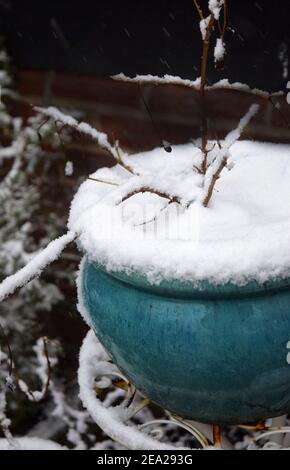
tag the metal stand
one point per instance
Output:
(132, 422)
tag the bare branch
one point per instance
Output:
(155, 217)
(121, 161)
(100, 137)
(103, 181)
(148, 189)
(45, 350)
(225, 20)
(40, 126)
(214, 179)
(204, 140)
(222, 160)
(199, 10)
(10, 357)
(204, 57)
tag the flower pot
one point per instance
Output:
(215, 354)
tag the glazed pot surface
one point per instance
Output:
(215, 354)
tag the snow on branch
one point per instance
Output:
(100, 137)
(164, 187)
(5, 422)
(175, 80)
(58, 116)
(13, 150)
(219, 50)
(213, 174)
(203, 25)
(145, 185)
(235, 134)
(43, 371)
(214, 7)
(36, 265)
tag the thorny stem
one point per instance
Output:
(230, 139)
(147, 189)
(225, 20)
(204, 57)
(199, 10)
(204, 140)
(204, 61)
(214, 179)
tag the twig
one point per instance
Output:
(103, 181)
(153, 218)
(198, 170)
(39, 127)
(10, 357)
(13, 372)
(59, 131)
(45, 350)
(199, 10)
(100, 137)
(121, 161)
(147, 189)
(204, 57)
(164, 144)
(214, 179)
(283, 117)
(225, 20)
(230, 139)
(37, 396)
(204, 140)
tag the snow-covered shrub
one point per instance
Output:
(31, 152)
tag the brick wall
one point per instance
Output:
(117, 108)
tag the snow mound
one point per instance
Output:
(30, 443)
(155, 224)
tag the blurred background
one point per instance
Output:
(62, 53)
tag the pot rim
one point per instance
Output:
(201, 289)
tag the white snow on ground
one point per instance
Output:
(30, 443)
(244, 234)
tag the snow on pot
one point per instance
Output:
(186, 272)
(192, 302)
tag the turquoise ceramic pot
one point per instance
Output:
(214, 354)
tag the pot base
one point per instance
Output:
(217, 359)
